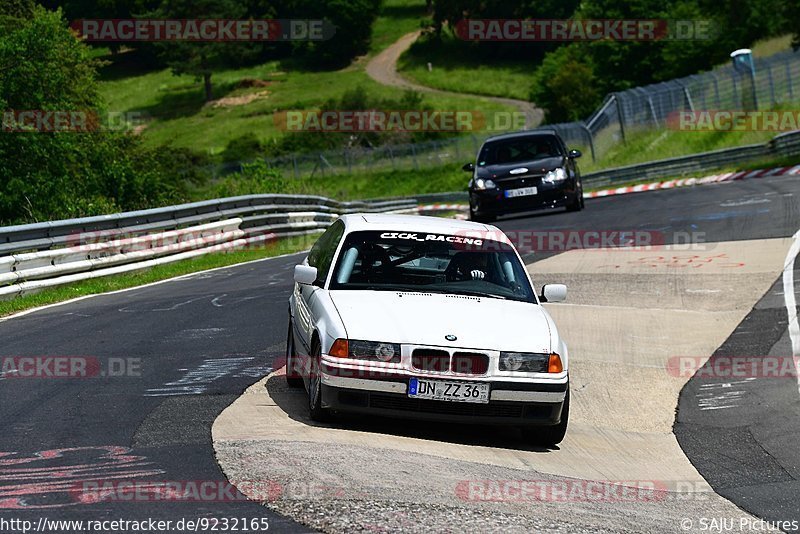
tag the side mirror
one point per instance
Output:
(554, 293)
(468, 167)
(574, 153)
(305, 274)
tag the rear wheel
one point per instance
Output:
(315, 409)
(293, 378)
(549, 436)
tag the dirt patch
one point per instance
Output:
(246, 83)
(243, 100)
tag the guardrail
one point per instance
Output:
(783, 145)
(41, 255)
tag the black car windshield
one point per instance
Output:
(519, 150)
(467, 264)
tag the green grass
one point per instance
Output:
(176, 114)
(160, 272)
(651, 145)
(357, 186)
(457, 67)
(773, 45)
(397, 18)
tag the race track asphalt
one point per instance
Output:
(200, 341)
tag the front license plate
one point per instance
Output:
(521, 192)
(419, 388)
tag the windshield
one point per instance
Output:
(436, 263)
(518, 150)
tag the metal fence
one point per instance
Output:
(411, 156)
(777, 81)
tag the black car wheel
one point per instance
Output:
(480, 218)
(576, 203)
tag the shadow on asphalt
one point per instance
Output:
(295, 403)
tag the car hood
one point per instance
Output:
(539, 166)
(426, 318)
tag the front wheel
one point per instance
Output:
(549, 436)
(576, 203)
(293, 378)
(480, 218)
(315, 409)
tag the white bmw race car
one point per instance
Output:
(426, 318)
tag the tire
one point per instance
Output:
(315, 409)
(480, 218)
(577, 203)
(549, 436)
(293, 378)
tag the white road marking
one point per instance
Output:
(733, 203)
(790, 300)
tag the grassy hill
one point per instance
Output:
(176, 114)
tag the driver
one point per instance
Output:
(470, 265)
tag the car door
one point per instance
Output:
(321, 257)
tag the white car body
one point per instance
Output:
(319, 315)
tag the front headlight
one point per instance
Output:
(556, 175)
(526, 362)
(374, 350)
(482, 184)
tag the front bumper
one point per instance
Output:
(494, 201)
(510, 403)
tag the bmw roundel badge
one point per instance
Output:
(450, 337)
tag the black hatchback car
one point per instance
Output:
(523, 171)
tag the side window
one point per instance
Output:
(321, 254)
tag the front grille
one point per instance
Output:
(523, 181)
(392, 402)
(431, 360)
(470, 363)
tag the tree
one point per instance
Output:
(51, 175)
(201, 59)
(352, 20)
(565, 85)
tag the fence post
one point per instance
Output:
(347, 160)
(771, 84)
(294, 165)
(652, 110)
(591, 140)
(414, 157)
(789, 79)
(620, 116)
(688, 97)
(716, 90)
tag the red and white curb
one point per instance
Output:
(713, 179)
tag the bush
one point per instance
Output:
(55, 175)
(565, 86)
